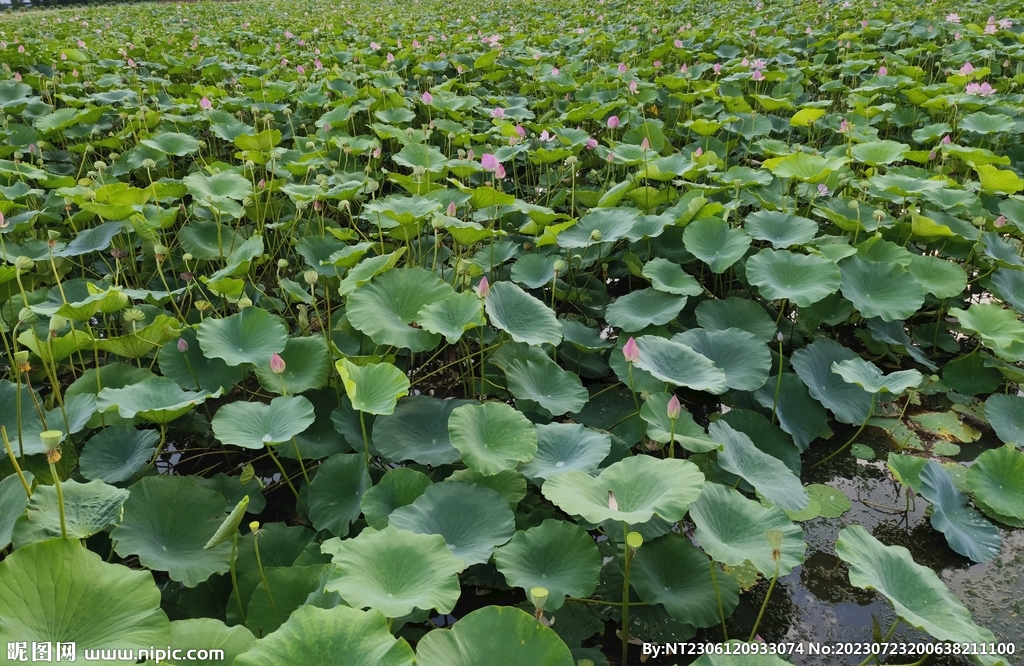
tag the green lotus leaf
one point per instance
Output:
(1005, 253)
(743, 358)
(879, 153)
(966, 531)
(813, 364)
(367, 269)
(670, 278)
(939, 277)
(219, 187)
(395, 571)
(673, 572)
(993, 179)
(882, 290)
(280, 592)
(373, 388)
(57, 590)
(832, 502)
(418, 431)
(1008, 285)
(767, 437)
(632, 490)
(338, 636)
(521, 315)
(582, 336)
(13, 501)
(869, 377)
(491, 436)
(1006, 414)
(802, 279)
(685, 430)
(159, 400)
(769, 475)
(805, 167)
(996, 480)
(564, 447)
(496, 636)
(453, 316)
(116, 453)
(733, 312)
(917, 594)
(336, 491)
(88, 508)
(397, 488)
(172, 143)
(731, 528)
(472, 519)
(711, 240)
(998, 327)
(212, 635)
(510, 484)
(556, 390)
(680, 365)
(642, 308)
(252, 425)
(798, 413)
(167, 522)
(986, 123)
(601, 225)
(556, 555)
(386, 306)
(780, 229)
(250, 336)
(194, 370)
(307, 367)
(534, 270)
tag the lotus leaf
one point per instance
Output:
(491, 436)
(495, 635)
(252, 425)
(250, 336)
(521, 315)
(564, 447)
(966, 531)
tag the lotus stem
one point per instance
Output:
(778, 385)
(602, 602)
(871, 412)
(718, 595)
(366, 440)
(625, 593)
(636, 401)
(234, 575)
(14, 461)
(284, 474)
(263, 576)
(888, 635)
(60, 494)
(298, 456)
(764, 604)
(672, 438)
(159, 448)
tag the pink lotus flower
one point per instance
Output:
(622, 68)
(277, 364)
(674, 408)
(657, 63)
(698, 152)
(844, 126)
(288, 34)
(327, 128)
(391, 57)
(1005, 24)
(489, 162)
(427, 97)
(545, 136)
(678, 43)
(451, 211)
(683, 68)
(317, 65)
(3, 222)
(182, 345)
(284, 62)
(757, 75)
(980, 89)
(497, 112)
(632, 86)
(554, 71)
(822, 189)
(81, 44)
(631, 351)
(521, 131)
(613, 122)
(262, 185)
(883, 71)
(745, 62)
(863, 24)
(131, 63)
(63, 56)
(499, 173)
(952, 18)
(300, 69)
(946, 140)
(21, 49)
(1000, 221)
(717, 67)
(205, 104)
(990, 29)
(591, 143)
(483, 287)
(967, 69)
(374, 46)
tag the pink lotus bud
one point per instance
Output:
(674, 408)
(497, 112)
(427, 97)
(21, 49)
(1000, 221)
(645, 144)
(499, 173)
(757, 75)
(946, 140)
(698, 152)
(262, 185)
(452, 211)
(545, 136)
(391, 57)
(521, 131)
(554, 71)
(844, 126)
(327, 128)
(591, 143)
(277, 364)
(483, 288)
(882, 71)
(17, 77)
(632, 86)
(489, 162)
(613, 122)
(376, 153)
(131, 63)
(631, 351)
(317, 65)
(3, 222)
(967, 69)
(678, 43)
(622, 68)
(74, 72)
(300, 69)
(182, 345)
(657, 63)
(205, 104)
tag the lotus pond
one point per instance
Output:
(507, 333)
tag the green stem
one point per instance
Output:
(234, 575)
(636, 401)
(672, 438)
(605, 603)
(842, 448)
(263, 576)
(366, 440)
(159, 449)
(14, 461)
(718, 595)
(60, 499)
(284, 474)
(298, 456)
(625, 593)
(764, 604)
(892, 630)
(778, 385)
